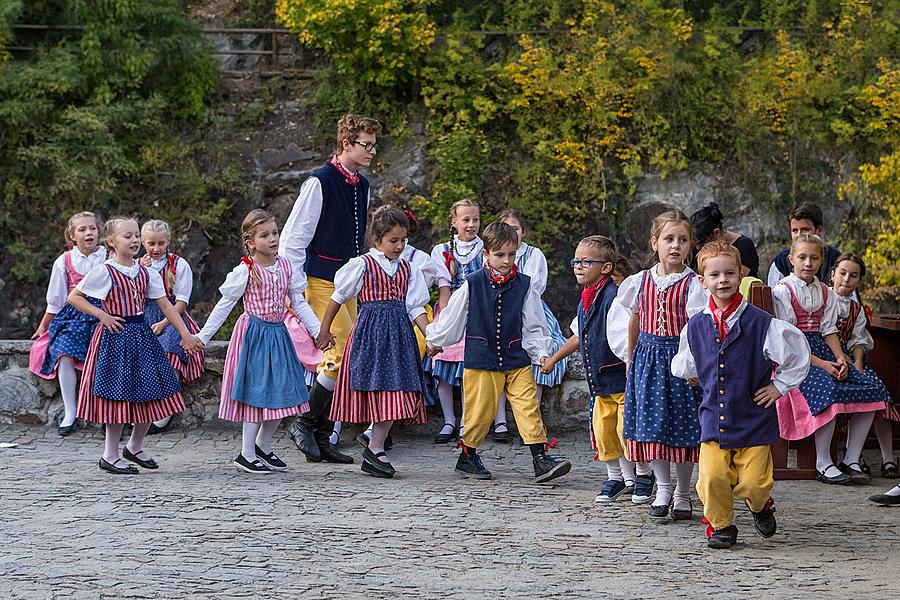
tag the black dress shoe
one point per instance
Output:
(271, 460)
(443, 438)
(147, 464)
(254, 467)
(501, 436)
(840, 479)
(111, 468)
(363, 440)
(682, 514)
(64, 430)
(331, 454)
(301, 431)
(885, 500)
(373, 465)
(855, 473)
(659, 511)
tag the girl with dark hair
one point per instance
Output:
(707, 224)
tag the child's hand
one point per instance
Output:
(433, 351)
(191, 344)
(325, 340)
(38, 332)
(693, 381)
(113, 324)
(145, 260)
(766, 396)
(843, 369)
(159, 327)
(833, 368)
(547, 365)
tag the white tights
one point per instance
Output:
(68, 386)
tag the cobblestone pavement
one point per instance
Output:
(199, 529)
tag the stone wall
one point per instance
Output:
(25, 398)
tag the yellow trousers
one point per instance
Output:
(318, 293)
(606, 425)
(420, 339)
(481, 393)
(726, 474)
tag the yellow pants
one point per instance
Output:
(481, 396)
(420, 339)
(606, 425)
(318, 293)
(726, 474)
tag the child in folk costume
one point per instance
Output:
(731, 349)
(461, 256)
(848, 271)
(127, 377)
(593, 265)
(263, 380)
(501, 316)
(384, 382)
(178, 281)
(660, 422)
(63, 336)
(435, 274)
(532, 262)
(832, 387)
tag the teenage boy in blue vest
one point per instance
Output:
(732, 348)
(326, 228)
(805, 218)
(594, 263)
(502, 317)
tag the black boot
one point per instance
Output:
(303, 429)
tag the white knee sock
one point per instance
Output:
(111, 442)
(248, 440)
(326, 382)
(627, 470)
(162, 422)
(643, 468)
(662, 470)
(501, 409)
(683, 472)
(885, 435)
(380, 432)
(138, 432)
(264, 437)
(894, 491)
(68, 387)
(613, 470)
(823, 448)
(445, 393)
(857, 431)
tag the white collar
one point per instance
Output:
(379, 254)
(664, 282)
(471, 243)
(740, 309)
(797, 281)
(520, 251)
(77, 253)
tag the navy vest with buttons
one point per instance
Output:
(494, 325)
(341, 231)
(730, 373)
(605, 372)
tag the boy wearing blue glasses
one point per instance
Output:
(593, 265)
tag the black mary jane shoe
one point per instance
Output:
(373, 465)
(890, 470)
(147, 464)
(443, 438)
(841, 479)
(112, 468)
(501, 436)
(64, 430)
(680, 514)
(271, 460)
(363, 439)
(855, 472)
(660, 511)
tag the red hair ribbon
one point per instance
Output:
(172, 259)
(448, 259)
(70, 245)
(410, 215)
(247, 261)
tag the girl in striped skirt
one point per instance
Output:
(127, 377)
(263, 380)
(178, 281)
(661, 423)
(384, 382)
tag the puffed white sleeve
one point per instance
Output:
(573, 326)
(536, 268)
(437, 255)
(300, 228)
(617, 320)
(774, 276)
(232, 291)
(697, 298)
(535, 332)
(628, 292)
(417, 295)
(348, 280)
(155, 287)
(830, 314)
(781, 301)
(184, 281)
(450, 324)
(430, 269)
(786, 346)
(860, 336)
(58, 288)
(683, 364)
(96, 283)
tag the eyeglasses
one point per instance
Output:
(369, 147)
(586, 263)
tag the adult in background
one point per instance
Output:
(707, 224)
(326, 228)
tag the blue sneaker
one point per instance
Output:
(643, 488)
(610, 490)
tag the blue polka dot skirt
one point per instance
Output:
(70, 335)
(821, 390)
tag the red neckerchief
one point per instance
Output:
(501, 279)
(348, 176)
(720, 316)
(590, 292)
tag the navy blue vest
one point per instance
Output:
(494, 325)
(605, 372)
(785, 268)
(730, 373)
(341, 232)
